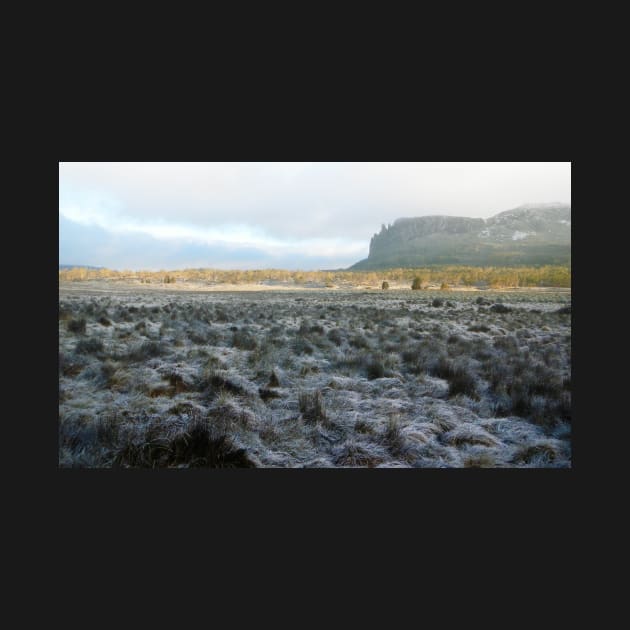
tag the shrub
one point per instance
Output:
(437, 302)
(416, 284)
(385, 286)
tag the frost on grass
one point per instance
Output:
(342, 379)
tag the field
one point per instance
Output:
(167, 377)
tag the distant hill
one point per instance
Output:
(78, 267)
(534, 234)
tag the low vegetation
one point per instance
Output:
(449, 276)
(161, 379)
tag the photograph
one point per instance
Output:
(332, 315)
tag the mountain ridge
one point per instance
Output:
(531, 234)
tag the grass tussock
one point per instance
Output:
(312, 407)
(163, 379)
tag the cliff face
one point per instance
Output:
(528, 235)
(404, 231)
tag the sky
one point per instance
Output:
(288, 215)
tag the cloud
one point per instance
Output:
(91, 244)
(288, 211)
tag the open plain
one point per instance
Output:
(177, 376)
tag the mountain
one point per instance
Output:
(62, 267)
(533, 234)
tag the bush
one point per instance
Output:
(385, 285)
(437, 302)
(416, 284)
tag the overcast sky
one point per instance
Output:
(293, 215)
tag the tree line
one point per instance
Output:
(452, 276)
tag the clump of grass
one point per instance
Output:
(312, 407)
(359, 341)
(265, 393)
(506, 343)
(461, 381)
(375, 369)
(543, 453)
(335, 336)
(243, 340)
(220, 315)
(195, 446)
(469, 434)
(481, 460)
(362, 426)
(76, 325)
(103, 321)
(393, 436)
(89, 346)
(146, 350)
(301, 346)
(216, 382)
(479, 328)
(355, 455)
